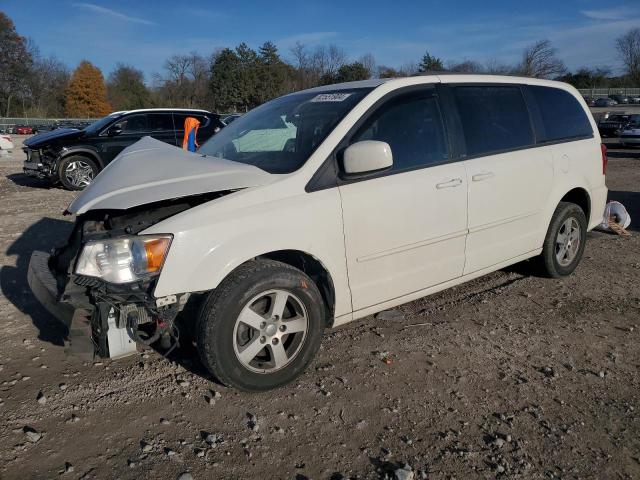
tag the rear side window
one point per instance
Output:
(160, 122)
(412, 126)
(562, 115)
(180, 118)
(494, 118)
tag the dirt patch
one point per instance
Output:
(509, 375)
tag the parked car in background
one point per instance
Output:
(73, 157)
(630, 134)
(23, 130)
(590, 101)
(621, 99)
(381, 192)
(227, 119)
(605, 102)
(610, 125)
(6, 144)
(635, 100)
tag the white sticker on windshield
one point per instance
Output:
(330, 97)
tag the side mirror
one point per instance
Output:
(114, 131)
(367, 156)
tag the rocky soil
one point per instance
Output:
(508, 376)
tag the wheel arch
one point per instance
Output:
(580, 197)
(92, 154)
(315, 269)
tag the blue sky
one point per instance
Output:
(145, 32)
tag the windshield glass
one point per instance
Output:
(280, 135)
(98, 124)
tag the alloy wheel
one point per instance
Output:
(270, 331)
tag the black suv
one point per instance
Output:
(74, 157)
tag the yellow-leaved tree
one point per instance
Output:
(86, 95)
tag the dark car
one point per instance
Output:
(619, 98)
(590, 101)
(605, 102)
(610, 125)
(227, 119)
(73, 157)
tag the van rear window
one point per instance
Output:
(563, 117)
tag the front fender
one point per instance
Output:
(212, 240)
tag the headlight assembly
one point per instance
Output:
(124, 259)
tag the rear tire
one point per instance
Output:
(76, 172)
(261, 327)
(565, 241)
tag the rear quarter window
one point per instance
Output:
(563, 117)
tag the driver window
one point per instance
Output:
(133, 124)
(412, 126)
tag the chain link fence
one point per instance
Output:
(605, 92)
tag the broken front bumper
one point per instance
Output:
(78, 321)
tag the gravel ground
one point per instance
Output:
(510, 376)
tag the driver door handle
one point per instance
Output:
(478, 177)
(454, 182)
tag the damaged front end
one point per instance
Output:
(101, 284)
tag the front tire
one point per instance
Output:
(76, 172)
(261, 327)
(565, 241)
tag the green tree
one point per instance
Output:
(248, 77)
(429, 63)
(86, 95)
(272, 75)
(225, 78)
(126, 89)
(588, 78)
(15, 64)
(349, 72)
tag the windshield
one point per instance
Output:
(98, 124)
(280, 135)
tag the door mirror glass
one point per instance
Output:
(114, 131)
(367, 156)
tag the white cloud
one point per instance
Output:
(113, 13)
(617, 13)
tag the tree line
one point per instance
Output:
(238, 79)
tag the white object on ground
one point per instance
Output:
(617, 209)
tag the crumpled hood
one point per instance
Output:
(58, 134)
(150, 171)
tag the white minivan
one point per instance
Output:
(322, 207)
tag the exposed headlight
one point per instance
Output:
(124, 259)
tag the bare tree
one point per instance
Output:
(185, 83)
(369, 62)
(540, 61)
(409, 68)
(628, 46)
(467, 66)
(494, 67)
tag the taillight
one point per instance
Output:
(605, 160)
